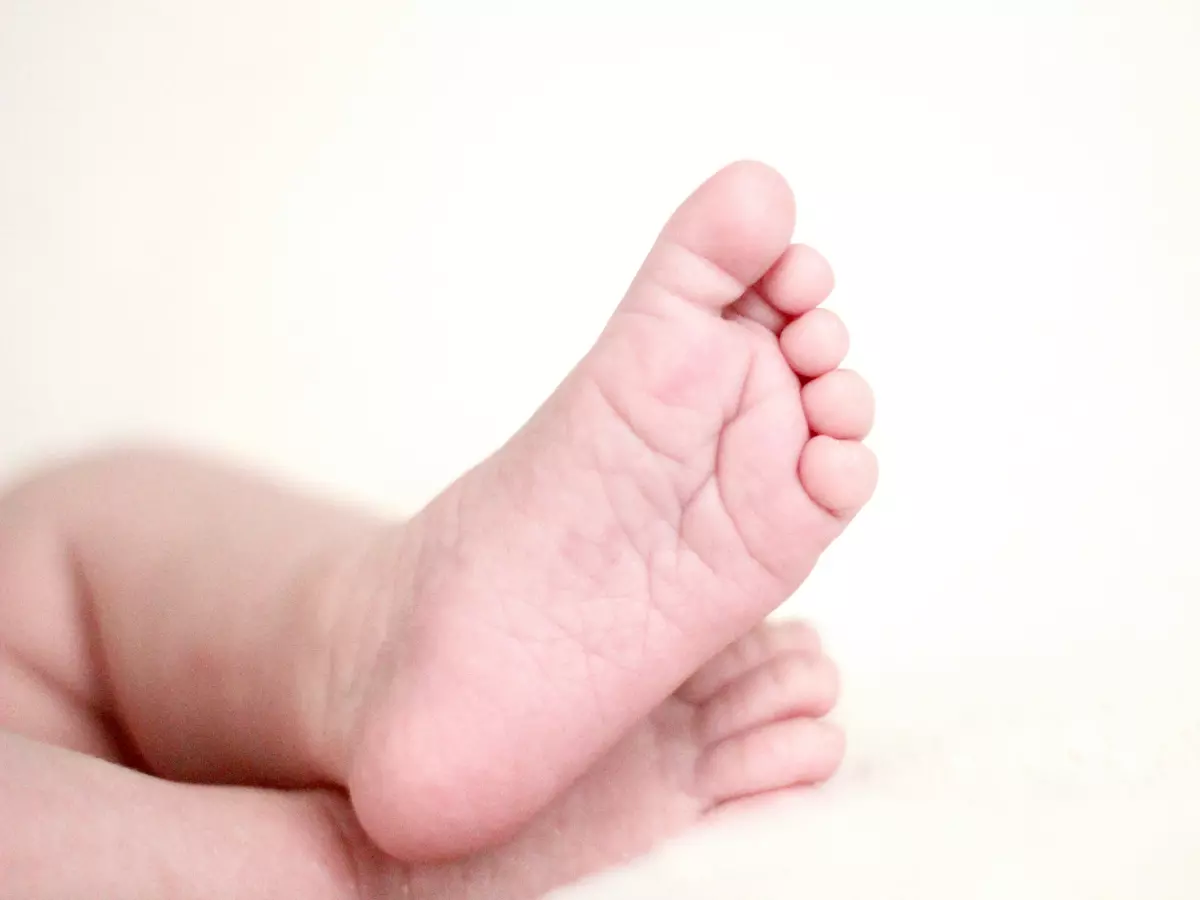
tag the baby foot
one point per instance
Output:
(678, 486)
(744, 725)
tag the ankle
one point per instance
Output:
(353, 602)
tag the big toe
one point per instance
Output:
(719, 242)
(777, 756)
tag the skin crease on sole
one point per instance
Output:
(679, 485)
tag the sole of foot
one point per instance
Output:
(678, 486)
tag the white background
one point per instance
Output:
(357, 243)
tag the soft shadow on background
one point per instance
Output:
(357, 243)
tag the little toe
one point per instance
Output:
(839, 404)
(768, 640)
(839, 476)
(782, 755)
(790, 685)
(815, 343)
(800, 280)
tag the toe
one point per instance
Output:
(815, 343)
(839, 404)
(785, 754)
(765, 642)
(720, 241)
(790, 685)
(839, 476)
(799, 281)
